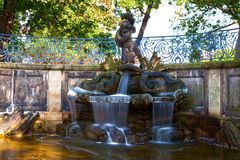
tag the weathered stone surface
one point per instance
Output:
(54, 91)
(214, 95)
(51, 119)
(194, 126)
(158, 82)
(106, 82)
(17, 123)
(24, 88)
(61, 128)
(231, 131)
(67, 67)
(95, 133)
(141, 101)
(74, 130)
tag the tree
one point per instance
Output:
(56, 18)
(72, 18)
(6, 16)
(65, 18)
(203, 15)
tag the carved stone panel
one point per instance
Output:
(26, 89)
(196, 91)
(31, 90)
(74, 79)
(234, 92)
(195, 81)
(233, 95)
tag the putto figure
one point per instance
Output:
(123, 38)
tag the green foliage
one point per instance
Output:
(205, 15)
(154, 64)
(1, 5)
(65, 18)
(111, 63)
(138, 7)
(223, 55)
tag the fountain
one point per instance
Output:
(111, 111)
(137, 87)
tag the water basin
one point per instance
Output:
(56, 148)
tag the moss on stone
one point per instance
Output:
(65, 67)
(204, 65)
(97, 67)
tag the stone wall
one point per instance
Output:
(23, 88)
(41, 88)
(213, 87)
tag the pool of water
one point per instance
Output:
(56, 148)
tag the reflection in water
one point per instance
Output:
(54, 148)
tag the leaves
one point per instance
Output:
(154, 64)
(111, 63)
(65, 18)
(205, 15)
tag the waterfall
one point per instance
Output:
(72, 106)
(124, 135)
(162, 120)
(112, 109)
(109, 140)
(123, 84)
(74, 127)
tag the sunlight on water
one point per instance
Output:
(56, 148)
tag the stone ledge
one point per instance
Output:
(97, 67)
(65, 67)
(204, 65)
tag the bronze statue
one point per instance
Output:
(123, 38)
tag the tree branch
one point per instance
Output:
(144, 24)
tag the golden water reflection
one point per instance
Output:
(56, 148)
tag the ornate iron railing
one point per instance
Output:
(22, 49)
(211, 46)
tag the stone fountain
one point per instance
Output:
(114, 96)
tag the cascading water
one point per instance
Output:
(72, 106)
(112, 109)
(162, 120)
(74, 126)
(123, 84)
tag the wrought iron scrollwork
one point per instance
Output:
(211, 46)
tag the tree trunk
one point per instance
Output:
(7, 17)
(6, 23)
(237, 47)
(144, 25)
